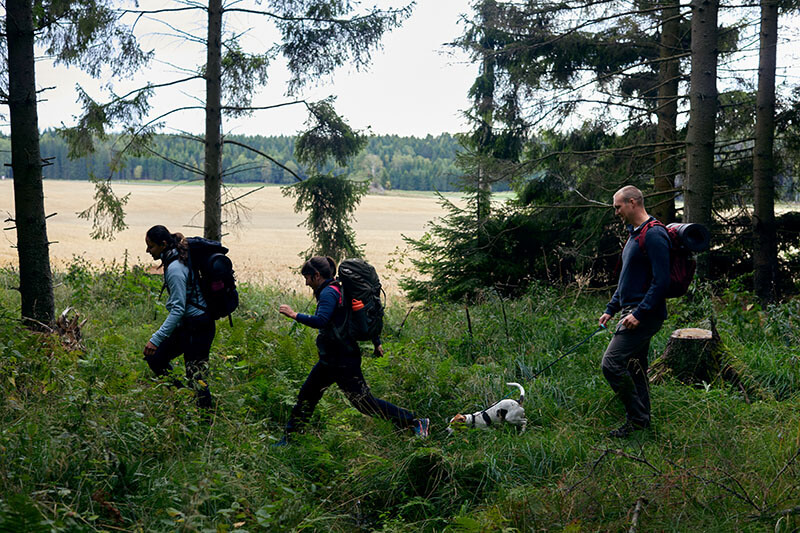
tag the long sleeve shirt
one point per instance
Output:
(328, 303)
(644, 279)
(181, 302)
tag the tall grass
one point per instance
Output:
(90, 441)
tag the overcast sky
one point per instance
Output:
(415, 86)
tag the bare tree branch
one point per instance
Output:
(262, 154)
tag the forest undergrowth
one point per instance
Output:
(91, 441)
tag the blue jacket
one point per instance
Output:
(327, 302)
(644, 279)
(329, 314)
(182, 301)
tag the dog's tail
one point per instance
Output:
(521, 391)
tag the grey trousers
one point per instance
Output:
(625, 368)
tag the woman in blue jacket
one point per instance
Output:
(339, 360)
(188, 329)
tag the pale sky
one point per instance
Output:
(415, 86)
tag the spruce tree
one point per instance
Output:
(86, 34)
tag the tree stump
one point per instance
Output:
(692, 355)
(695, 356)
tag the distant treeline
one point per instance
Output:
(394, 162)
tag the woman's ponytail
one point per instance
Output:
(324, 266)
(160, 234)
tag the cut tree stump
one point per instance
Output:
(695, 356)
(692, 355)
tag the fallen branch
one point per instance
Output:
(782, 470)
(591, 471)
(637, 511)
(641, 460)
(743, 497)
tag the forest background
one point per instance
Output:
(387, 161)
(691, 102)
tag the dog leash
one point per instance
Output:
(537, 374)
(592, 334)
(562, 356)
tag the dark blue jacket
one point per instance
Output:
(330, 313)
(644, 279)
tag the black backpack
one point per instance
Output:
(213, 271)
(360, 286)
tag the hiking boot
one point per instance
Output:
(421, 426)
(621, 432)
(626, 429)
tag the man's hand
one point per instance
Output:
(378, 351)
(604, 318)
(287, 311)
(149, 349)
(630, 322)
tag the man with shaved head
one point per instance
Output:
(640, 296)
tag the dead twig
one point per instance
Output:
(743, 496)
(637, 511)
(782, 470)
(591, 471)
(403, 323)
(505, 319)
(641, 460)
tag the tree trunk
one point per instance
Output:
(699, 186)
(765, 253)
(485, 110)
(212, 226)
(666, 164)
(35, 278)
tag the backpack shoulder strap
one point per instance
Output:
(336, 286)
(165, 262)
(640, 238)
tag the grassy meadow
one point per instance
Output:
(90, 441)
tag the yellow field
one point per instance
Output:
(264, 248)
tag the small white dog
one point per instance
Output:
(508, 410)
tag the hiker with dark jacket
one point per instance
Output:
(188, 329)
(640, 295)
(339, 359)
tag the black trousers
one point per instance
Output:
(625, 368)
(193, 339)
(351, 380)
